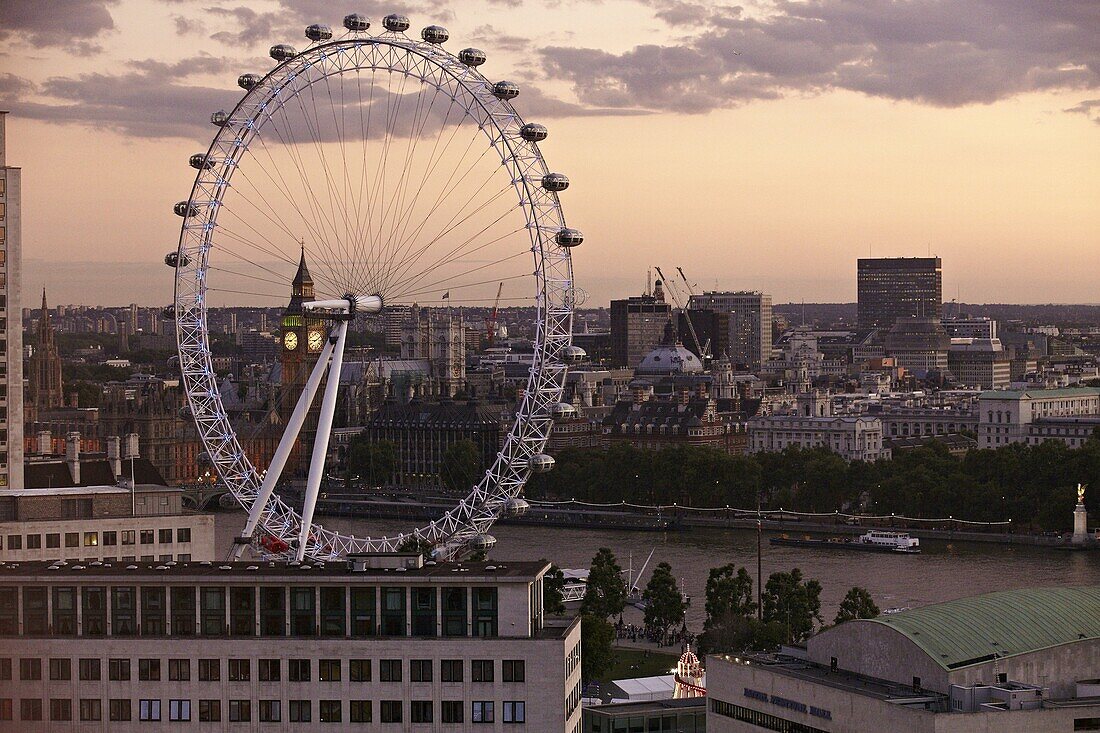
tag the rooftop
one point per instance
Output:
(1031, 394)
(978, 629)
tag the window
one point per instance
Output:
(183, 534)
(30, 709)
(328, 670)
(213, 611)
(451, 710)
(76, 508)
(512, 670)
(330, 711)
(34, 542)
(93, 600)
(300, 711)
(393, 611)
(210, 670)
(420, 711)
(179, 670)
(239, 670)
(481, 670)
(91, 539)
(240, 711)
(423, 611)
(485, 611)
(179, 710)
(360, 711)
(332, 611)
(61, 709)
(482, 711)
(149, 710)
(53, 540)
(362, 612)
(123, 611)
(64, 611)
(389, 670)
(164, 536)
(30, 669)
(89, 669)
(420, 670)
(149, 670)
(454, 612)
(35, 612)
(270, 711)
(269, 670)
(183, 611)
(391, 711)
(118, 709)
(210, 711)
(15, 542)
(303, 612)
(61, 669)
(118, 670)
(6, 711)
(146, 536)
(109, 538)
(5, 668)
(242, 611)
(72, 539)
(299, 670)
(450, 670)
(128, 537)
(154, 609)
(91, 709)
(359, 670)
(515, 711)
(272, 612)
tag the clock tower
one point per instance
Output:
(303, 337)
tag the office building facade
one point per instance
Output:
(11, 316)
(889, 288)
(1019, 416)
(637, 327)
(750, 323)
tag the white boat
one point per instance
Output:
(892, 541)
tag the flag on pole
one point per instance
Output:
(446, 295)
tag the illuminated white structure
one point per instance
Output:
(691, 680)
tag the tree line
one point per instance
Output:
(1034, 486)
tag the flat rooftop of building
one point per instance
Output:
(1040, 393)
(88, 490)
(242, 571)
(644, 707)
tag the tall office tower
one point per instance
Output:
(750, 324)
(11, 348)
(889, 288)
(637, 326)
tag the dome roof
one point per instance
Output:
(669, 358)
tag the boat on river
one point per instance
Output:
(873, 541)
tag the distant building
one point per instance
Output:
(889, 288)
(750, 323)
(11, 348)
(637, 325)
(44, 372)
(853, 438)
(438, 338)
(971, 327)
(918, 345)
(904, 422)
(712, 329)
(1011, 416)
(688, 714)
(979, 362)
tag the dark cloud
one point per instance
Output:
(490, 37)
(245, 26)
(14, 87)
(69, 23)
(186, 26)
(929, 51)
(1090, 108)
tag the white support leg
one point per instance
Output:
(320, 444)
(286, 445)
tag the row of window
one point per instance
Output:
(269, 711)
(95, 539)
(758, 719)
(336, 611)
(268, 670)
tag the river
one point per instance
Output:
(943, 571)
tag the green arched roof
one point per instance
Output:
(973, 630)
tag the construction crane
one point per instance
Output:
(704, 350)
(491, 321)
(676, 299)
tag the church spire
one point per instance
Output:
(302, 277)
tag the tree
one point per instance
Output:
(373, 462)
(856, 604)
(552, 596)
(792, 601)
(596, 636)
(729, 593)
(461, 466)
(605, 590)
(664, 603)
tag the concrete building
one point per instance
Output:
(376, 643)
(1008, 416)
(686, 715)
(970, 327)
(889, 288)
(1022, 661)
(903, 422)
(11, 347)
(637, 325)
(853, 438)
(918, 345)
(979, 362)
(750, 323)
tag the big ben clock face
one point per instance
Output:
(316, 340)
(290, 340)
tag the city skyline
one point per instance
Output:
(904, 158)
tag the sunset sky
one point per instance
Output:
(759, 146)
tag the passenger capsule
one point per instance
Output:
(219, 118)
(533, 132)
(540, 463)
(396, 23)
(506, 90)
(435, 34)
(569, 237)
(516, 507)
(562, 411)
(199, 161)
(574, 354)
(174, 259)
(482, 542)
(168, 313)
(356, 22)
(318, 32)
(555, 181)
(471, 56)
(282, 51)
(185, 209)
(248, 81)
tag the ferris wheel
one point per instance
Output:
(375, 171)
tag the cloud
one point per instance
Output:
(490, 37)
(928, 51)
(69, 23)
(14, 87)
(187, 26)
(1090, 108)
(245, 26)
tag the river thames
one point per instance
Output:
(943, 571)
